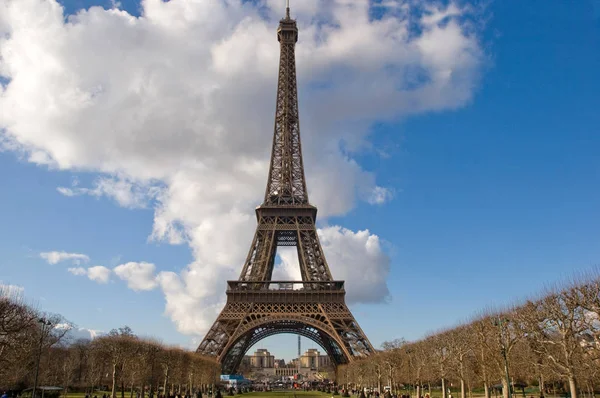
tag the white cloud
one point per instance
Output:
(356, 257)
(77, 333)
(191, 309)
(80, 271)
(186, 123)
(56, 257)
(288, 269)
(139, 276)
(87, 334)
(99, 274)
(96, 273)
(66, 191)
(125, 192)
(11, 291)
(379, 195)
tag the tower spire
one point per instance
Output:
(286, 184)
(287, 9)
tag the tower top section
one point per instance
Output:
(287, 31)
(286, 185)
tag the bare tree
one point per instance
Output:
(17, 322)
(505, 334)
(440, 358)
(588, 294)
(558, 322)
(117, 346)
(168, 360)
(460, 345)
(482, 333)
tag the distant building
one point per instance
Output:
(313, 366)
(286, 371)
(313, 359)
(262, 358)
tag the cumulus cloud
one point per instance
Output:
(180, 114)
(139, 276)
(97, 273)
(56, 257)
(192, 310)
(356, 257)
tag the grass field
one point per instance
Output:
(317, 394)
(269, 394)
(309, 394)
(284, 394)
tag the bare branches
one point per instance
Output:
(553, 337)
(127, 359)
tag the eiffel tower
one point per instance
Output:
(258, 307)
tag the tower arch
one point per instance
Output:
(234, 352)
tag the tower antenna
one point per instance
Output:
(287, 9)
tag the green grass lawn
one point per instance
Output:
(96, 393)
(269, 394)
(286, 393)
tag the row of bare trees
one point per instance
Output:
(552, 342)
(120, 361)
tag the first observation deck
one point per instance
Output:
(286, 291)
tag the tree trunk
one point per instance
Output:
(590, 390)
(113, 392)
(122, 389)
(66, 384)
(418, 390)
(469, 389)
(486, 387)
(505, 387)
(443, 388)
(462, 377)
(131, 395)
(573, 386)
(542, 387)
(166, 381)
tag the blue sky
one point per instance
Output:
(493, 200)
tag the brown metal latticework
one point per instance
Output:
(258, 307)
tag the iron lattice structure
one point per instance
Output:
(258, 307)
